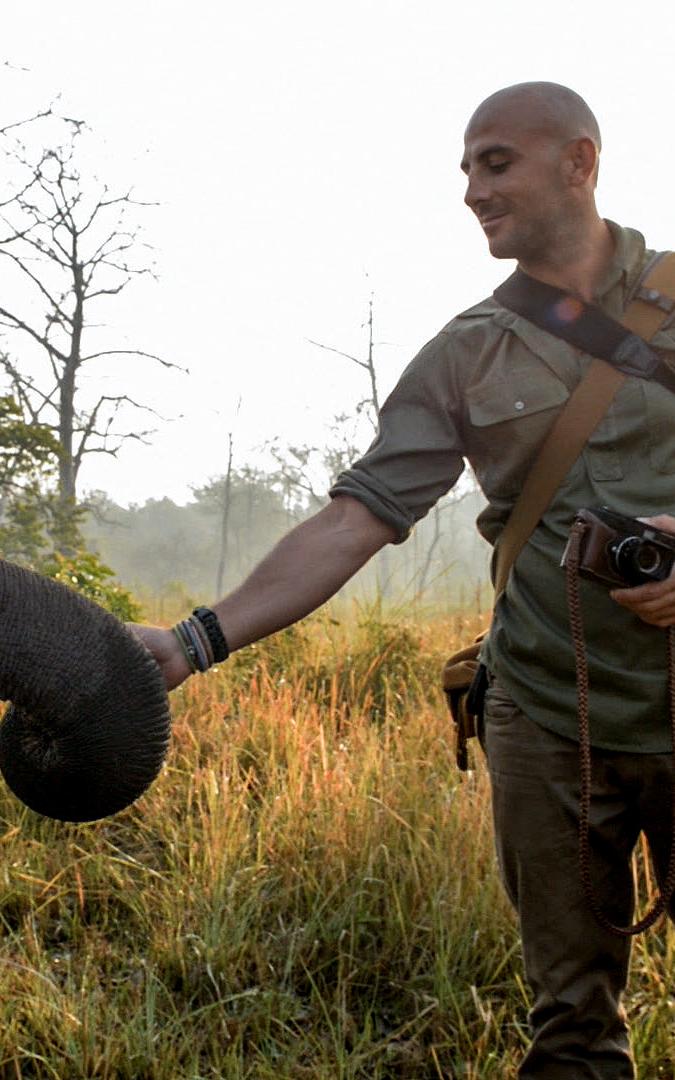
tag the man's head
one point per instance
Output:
(531, 159)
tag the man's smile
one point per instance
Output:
(489, 221)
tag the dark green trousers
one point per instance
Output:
(576, 970)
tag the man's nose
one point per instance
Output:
(477, 191)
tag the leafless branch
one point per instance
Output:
(29, 120)
(339, 352)
(15, 323)
(134, 352)
(36, 281)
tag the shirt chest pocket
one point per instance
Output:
(507, 422)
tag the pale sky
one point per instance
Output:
(304, 154)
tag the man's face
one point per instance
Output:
(515, 186)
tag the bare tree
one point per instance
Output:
(68, 245)
(371, 402)
(225, 508)
(369, 405)
(303, 470)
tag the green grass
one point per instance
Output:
(308, 890)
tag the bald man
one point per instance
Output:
(486, 389)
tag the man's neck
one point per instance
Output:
(580, 266)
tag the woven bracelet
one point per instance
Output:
(195, 639)
(188, 652)
(198, 632)
(209, 620)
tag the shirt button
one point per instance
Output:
(519, 405)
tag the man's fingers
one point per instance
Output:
(661, 521)
(657, 612)
(654, 591)
(654, 603)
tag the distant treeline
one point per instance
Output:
(212, 542)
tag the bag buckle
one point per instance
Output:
(634, 357)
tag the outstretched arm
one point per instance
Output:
(304, 570)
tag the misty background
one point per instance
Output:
(297, 170)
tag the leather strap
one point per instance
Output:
(578, 419)
(586, 326)
(654, 299)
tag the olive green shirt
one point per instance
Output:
(487, 389)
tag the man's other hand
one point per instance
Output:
(164, 647)
(653, 603)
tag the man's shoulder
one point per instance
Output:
(484, 309)
(456, 344)
(478, 315)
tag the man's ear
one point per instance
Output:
(581, 161)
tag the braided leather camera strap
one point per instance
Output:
(585, 758)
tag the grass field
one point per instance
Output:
(307, 891)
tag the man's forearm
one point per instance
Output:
(304, 570)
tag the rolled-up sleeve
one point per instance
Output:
(416, 456)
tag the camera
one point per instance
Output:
(622, 551)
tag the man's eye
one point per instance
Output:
(498, 166)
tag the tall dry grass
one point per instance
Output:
(307, 891)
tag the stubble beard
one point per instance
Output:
(522, 242)
(547, 239)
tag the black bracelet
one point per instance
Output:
(209, 621)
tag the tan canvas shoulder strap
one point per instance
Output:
(653, 303)
(652, 306)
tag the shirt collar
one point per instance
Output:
(628, 260)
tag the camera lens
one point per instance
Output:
(635, 559)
